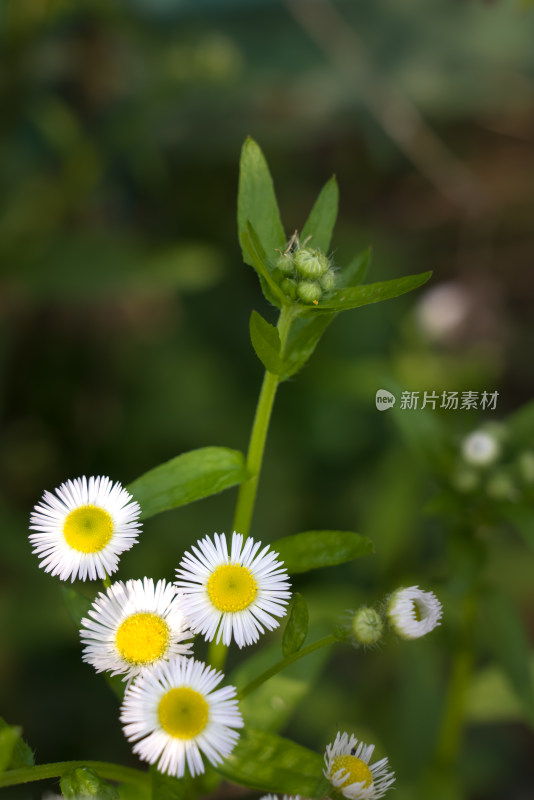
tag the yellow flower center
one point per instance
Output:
(183, 713)
(357, 770)
(232, 587)
(88, 529)
(142, 638)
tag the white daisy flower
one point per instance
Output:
(349, 771)
(237, 594)
(275, 797)
(134, 626)
(84, 527)
(173, 712)
(413, 613)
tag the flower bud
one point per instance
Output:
(289, 288)
(285, 263)
(310, 263)
(328, 280)
(309, 292)
(367, 626)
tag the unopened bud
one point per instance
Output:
(367, 626)
(285, 263)
(310, 263)
(328, 280)
(309, 292)
(289, 288)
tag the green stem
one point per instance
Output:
(107, 582)
(285, 662)
(104, 769)
(247, 490)
(217, 654)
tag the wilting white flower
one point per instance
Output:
(236, 594)
(412, 612)
(84, 527)
(349, 771)
(174, 712)
(134, 626)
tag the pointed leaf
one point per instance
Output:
(266, 343)
(21, 754)
(188, 477)
(297, 626)
(357, 296)
(314, 549)
(256, 201)
(356, 272)
(505, 637)
(320, 223)
(308, 333)
(268, 762)
(9, 736)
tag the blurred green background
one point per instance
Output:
(124, 311)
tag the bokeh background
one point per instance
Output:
(124, 309)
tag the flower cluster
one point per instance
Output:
(304, 273)
(172, 709)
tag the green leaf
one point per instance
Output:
(8, 739)
(357, 270)
(252, 245)
(188, 477)
(306, 335)
(256, 202)
(313, 549)
(266, 343)
(270, 763)
(505, 638)
(83, 782)
(297, 626)
(356, 296)
(77, 604)
(320, 223)
(21, 753)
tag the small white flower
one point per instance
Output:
(349, 771)
(84, 527)
(413, 613)
(135, 626)
(480, 449)
(275, 797)
(237, 594)
(175, 711)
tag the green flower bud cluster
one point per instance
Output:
(304, 274)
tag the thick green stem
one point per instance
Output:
(113, 772)
(247, 490)
(285, 662)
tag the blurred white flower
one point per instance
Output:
(413, 613)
